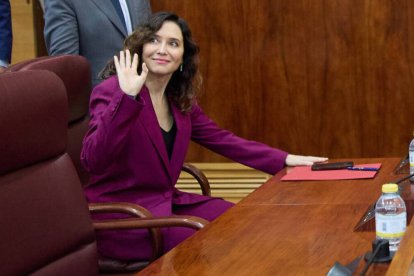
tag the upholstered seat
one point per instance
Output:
(45, 223)
(75, 73)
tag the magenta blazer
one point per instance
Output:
(126, 156)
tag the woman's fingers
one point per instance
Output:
(135, 62)
(300, 160)
(122, 59)
(126, 67)
(116, 61)
(315, 159)
(127, 58)
(144, 69)
(126, 61)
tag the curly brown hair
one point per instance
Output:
(183, 85)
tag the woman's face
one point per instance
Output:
(164, 53)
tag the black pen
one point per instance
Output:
(362, 169)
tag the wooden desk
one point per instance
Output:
(402, 264)
(284, 228)
(365, 191)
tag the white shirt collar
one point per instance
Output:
(127, 17)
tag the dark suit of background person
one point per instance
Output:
(94, 29)
(6, 37)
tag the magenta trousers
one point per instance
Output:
(136, 245)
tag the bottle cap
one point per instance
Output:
(389, 188)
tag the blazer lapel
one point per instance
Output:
(149, 121)
(108, 9)
(182, 139)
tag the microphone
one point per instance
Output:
(380, 254)
(340, 270)
(404, 178)
(402, 164)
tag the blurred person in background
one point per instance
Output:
(95, 29)
(6, 37)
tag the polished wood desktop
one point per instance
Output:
(285, 228)
(403, 264)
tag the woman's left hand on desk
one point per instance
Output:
(300, 160)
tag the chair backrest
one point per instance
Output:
(45, 223)
(75, 73)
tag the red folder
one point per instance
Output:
(305, 173)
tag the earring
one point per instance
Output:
(181, 67)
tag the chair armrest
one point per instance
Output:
(134, 223)
(120, 207)
(133, 210)
(143, 220)
(199, 176)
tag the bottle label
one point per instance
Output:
(388, 226)
(411, 157)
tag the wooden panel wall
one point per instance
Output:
(22, 24)
(331, 78)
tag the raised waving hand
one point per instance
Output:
(126, 69)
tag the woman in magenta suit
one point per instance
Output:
(143, 117)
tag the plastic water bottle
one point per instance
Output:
(390, 216)
(411, 157)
